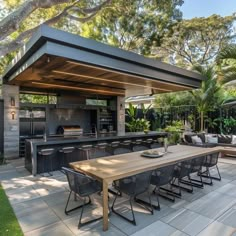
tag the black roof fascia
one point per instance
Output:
(45, 34)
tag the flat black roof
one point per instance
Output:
(50, 41)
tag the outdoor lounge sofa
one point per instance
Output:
(209, 140)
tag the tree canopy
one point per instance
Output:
(197, 41)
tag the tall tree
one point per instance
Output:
(196, 41)
(134, 25)
(24, 17)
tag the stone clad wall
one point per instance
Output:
(11, 126)
(120, 115)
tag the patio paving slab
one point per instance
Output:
(229, 217)
(212, 205)
(29, 207)
(39, 202)
(228, 189)
(98, 231)
(187, 221)
(159, 228)
(218, 229)
(37, 219)
(142, 216)
(56, 229)
(22, 194)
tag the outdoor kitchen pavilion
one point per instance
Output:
(54, 61)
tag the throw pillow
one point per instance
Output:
(233, 139)
(202, 137)
(222, 138)
(212, 139)
(196, 140)
(188, 137)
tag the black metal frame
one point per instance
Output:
(207, 173)
(80, 224)
(147, 206)
(183, 170)
(196, 168)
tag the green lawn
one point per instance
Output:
(9, 225)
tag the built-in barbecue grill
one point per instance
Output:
(69, 130)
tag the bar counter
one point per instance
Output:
(33, 162)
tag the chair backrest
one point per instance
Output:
(183, 169)
(114, 144)
(126, 142)
(121, 150)
(101, 150)
(86, 147)
(211, 160)
(137, 148)
(163, 175)
(76, 179)
(142, 182)
(197, 164)
(137, 141)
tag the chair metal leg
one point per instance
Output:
(148, 205)
(170, 191)
(196, 182)
(80, 224)
(166, 193)
(206, 174)
(133, 221)
(176, 194)
(49, 173)
(75, 208)
(189, 190)
(191, 183)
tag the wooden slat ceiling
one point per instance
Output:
(58, 73)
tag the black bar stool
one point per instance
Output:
(46, 154)
(137, 141)
(66, 155)
(137, 145)
(126, 144)
(100, 150)
(112, 146)
(148, 142)
(156, 143)
(87, 151)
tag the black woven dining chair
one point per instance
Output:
(83, 186)
(210, 162)
(133, 186)
(160, 177)
(181, 174)
(196, 167)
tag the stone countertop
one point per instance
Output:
(80, 139)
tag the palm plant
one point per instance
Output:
(206, 97)
(228, 55)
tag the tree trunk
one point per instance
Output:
(202, 121)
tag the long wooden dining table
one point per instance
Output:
(110, 168)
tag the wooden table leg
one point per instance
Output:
(105, 205)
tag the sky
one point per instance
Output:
(205, 8)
